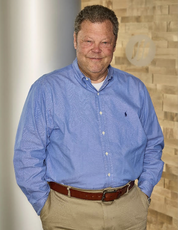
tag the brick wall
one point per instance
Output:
(157, 19)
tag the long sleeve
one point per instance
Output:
(29, 153)
(152, 165)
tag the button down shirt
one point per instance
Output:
(72, 134)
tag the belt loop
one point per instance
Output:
(128, 187)
(68, 189)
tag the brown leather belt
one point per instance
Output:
(107, 194)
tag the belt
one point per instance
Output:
(107, 194)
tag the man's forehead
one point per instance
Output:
(96, 28)
(87, 25)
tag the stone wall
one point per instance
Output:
(158, 20)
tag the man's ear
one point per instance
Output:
(75, 40)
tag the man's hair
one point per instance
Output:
(96, 13)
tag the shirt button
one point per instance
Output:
(101, 113)
(87, 79)
(109, 174)
(103, 133)
(107, 153)
(98, 94)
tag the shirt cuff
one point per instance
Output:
(146, 187)
(39, 205)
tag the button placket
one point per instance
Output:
(102, 121)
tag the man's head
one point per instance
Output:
(95, 38)
(96, 13)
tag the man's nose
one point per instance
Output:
(96, 48)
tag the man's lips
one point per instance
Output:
(95, 58)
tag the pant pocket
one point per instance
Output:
(144, 198)
(56, 213)
(45, 210)
(131, 212)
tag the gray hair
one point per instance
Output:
(96, 13)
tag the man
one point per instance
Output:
(86, 133)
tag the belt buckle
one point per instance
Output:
(107, 191)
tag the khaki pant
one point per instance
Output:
(63, 212)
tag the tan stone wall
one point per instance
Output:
(158, 19)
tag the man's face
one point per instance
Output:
(95, 44)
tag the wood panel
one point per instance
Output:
(158, 19)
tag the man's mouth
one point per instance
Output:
(95, 58)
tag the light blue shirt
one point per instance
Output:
(73, 134)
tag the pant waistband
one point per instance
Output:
(107, 195)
